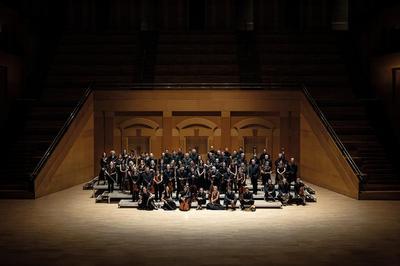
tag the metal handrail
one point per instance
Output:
(62, 131)
(333, 134)
(169, 86)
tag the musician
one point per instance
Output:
(169, 203)
(103, 167)
(266, 170)
(281, 158)
(241, 180)
(147, 177)
(224, 175)
(232, 172)
(112, 157)
(230, 199)
(254, 172)
(111, 173)
(291, 171)
(133, 178)
(214, 203)
(280, 172)
(181, 180)
(185, 198)
(283, 192)
(263, 156)
(167, 157)
(247, 200)
(146, 201)
(299, 187)
(169, 177)
(214, 177)
(269, 191)
(201, 174)
(201, 198)
(122, 172)
(158, 185)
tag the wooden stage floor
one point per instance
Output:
(68, 228)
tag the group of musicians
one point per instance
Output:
(187, 177)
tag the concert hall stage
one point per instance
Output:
(66, 227)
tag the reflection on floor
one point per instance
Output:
(68, 227)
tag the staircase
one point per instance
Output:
(102, 58)
(317, 61)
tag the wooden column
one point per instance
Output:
(284, 132)
(167, 130)
(225, 130)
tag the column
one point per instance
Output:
(167, 130)
(226, 130)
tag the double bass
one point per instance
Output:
(184, 204)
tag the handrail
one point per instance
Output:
(333, 134)
(62, 131)
(169, 86)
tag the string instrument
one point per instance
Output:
(184, 205)
(301, 191)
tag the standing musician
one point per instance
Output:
(230, 199)
(280, 172)
(147, 177)
(111, 173)
(181, 180)
(169, 203)
(201, 174)
(291, 171)
(169, 178)
(247, 200)
(254, 172)
(158, 185)
(266, 170)
(146, 201)
(232, 172)
(241, 180)
(133, 178)
(103, 167)
(201, 198)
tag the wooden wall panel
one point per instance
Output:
(72, 161)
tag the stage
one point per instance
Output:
(68, 228)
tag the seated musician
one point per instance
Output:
(283, 192)
(299, 187)
(201, 198)
(146, 201)
(247, 200)
(269, 191)
(230, 199)
(185, 198)
(169, 203)
(214, 203)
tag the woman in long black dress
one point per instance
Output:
(146, 200)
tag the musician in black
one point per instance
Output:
(111, 174)
(146, 200)
(299, 188)
(291, 171)
(201, 198)
(254, 173)
(266, 170)
(280, 172)
(214, 203)
(103, 167)
(158, 185)
(169, 177)
(134, 182)
(283, 194)
(169, 203)
(147, 177)
(230, 199)
(269, 191)
(181, 176)
(247, 200)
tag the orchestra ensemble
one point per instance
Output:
(216, 183)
